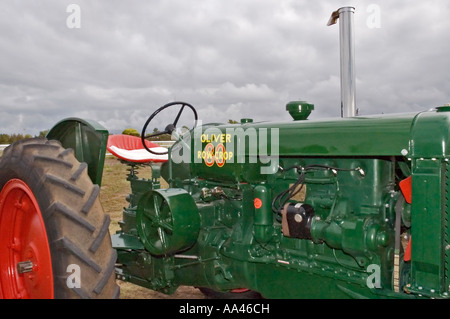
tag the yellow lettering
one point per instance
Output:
(220, 138)
(215, 155)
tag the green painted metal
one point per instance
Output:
(299, 110)
(359, 136)
(88, 139)
(167, 220)
(428, 215)
(430, 134)
(263, 219)
(307, 209)
(429, 152)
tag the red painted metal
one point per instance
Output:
(405, 187)
(407, 256)
(23, 239)
(130, 148)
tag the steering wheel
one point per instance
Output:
(169, 128)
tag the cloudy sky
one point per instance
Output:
(116, 61)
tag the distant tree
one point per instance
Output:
(17, 137)
(162, 137)
(43, 133)
(4, 139)
(131, 131)
(232, 122)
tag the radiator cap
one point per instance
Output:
(299, 110)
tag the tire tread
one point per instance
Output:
(77, 228)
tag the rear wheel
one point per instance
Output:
(54, 236)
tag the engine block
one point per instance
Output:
(304, 209)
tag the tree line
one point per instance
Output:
(11, 138)
(162, 137)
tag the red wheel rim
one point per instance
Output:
(25, 260)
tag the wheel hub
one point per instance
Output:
(25, 260)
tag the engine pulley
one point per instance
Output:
(167, 221)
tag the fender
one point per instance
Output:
(88, 139)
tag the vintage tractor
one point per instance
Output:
(351, 207)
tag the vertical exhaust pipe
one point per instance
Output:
(347, 47)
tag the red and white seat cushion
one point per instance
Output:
(130, 148)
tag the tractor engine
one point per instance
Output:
(300, 209)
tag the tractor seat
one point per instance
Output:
(129, 148)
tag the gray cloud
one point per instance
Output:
(230, 59)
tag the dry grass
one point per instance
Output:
(114, 190)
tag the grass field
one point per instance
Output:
(113, 192)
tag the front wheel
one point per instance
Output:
(54, 236)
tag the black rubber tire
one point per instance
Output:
(77, 228)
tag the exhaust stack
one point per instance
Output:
(347, 47)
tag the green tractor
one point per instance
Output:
(353, 207)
